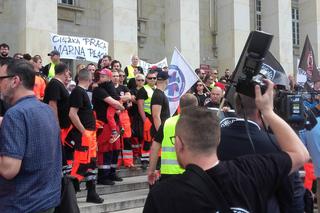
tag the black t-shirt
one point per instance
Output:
(132, 83)
(133, 111)
(143, 95)
(80, 99)
(99, 105)
(111, 90)
(159, 98)
(56, 91)
(234, 142)
(201, 98)
(246, 183)
(121, 91)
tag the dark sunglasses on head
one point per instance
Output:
(152, 78)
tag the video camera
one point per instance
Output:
(247, 73)
(290, 106)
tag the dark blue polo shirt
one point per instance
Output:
(30, 132)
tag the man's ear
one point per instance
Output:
(179, 146)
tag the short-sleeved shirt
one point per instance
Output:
(99, 105)
(246, 183)
(30, 133)
(80, 99)
(143, 95)
(159, 98)
(111, 90)
(56, 91)
(122, 90)
(234, 142)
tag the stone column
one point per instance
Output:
(309, 22)
(182, 29)
(277, 20)
(28, 24)
(119, 28)
(233, 30)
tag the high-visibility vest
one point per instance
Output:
(169, 163)
(51, 72)
(130, 72)
(147, 102)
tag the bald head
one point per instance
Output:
(216, 94)
(135, 60)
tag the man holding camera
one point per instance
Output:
(240, 185)
(238, 140)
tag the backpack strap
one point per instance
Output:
(205, 184)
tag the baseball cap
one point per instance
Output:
(219, 84)
(54, 52)
(162, 75)
(154, 68)
(106, 71)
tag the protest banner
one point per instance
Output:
(145, 65)
(79, 48)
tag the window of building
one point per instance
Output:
(70, 2)
(295, 26)
(258, 15)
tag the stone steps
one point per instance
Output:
(135, 210)
(115, 202)
(127, 196)
(128, 184)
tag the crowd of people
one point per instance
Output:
(107, 116)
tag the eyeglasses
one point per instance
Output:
(139, 80)
(173, 139)
(6, 76)
(152, 78)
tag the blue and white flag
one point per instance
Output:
(182, 78)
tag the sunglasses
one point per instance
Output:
(152, 78)
(139, 80)
(6, 76)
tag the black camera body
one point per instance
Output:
(247, 73)
(290, 107)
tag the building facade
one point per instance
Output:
(211, 32)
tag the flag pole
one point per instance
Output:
(191, 69)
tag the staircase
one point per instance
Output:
(127, 196)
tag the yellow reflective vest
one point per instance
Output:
(130, 72)
(147, 102)
(51, 72)
(169, 163)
